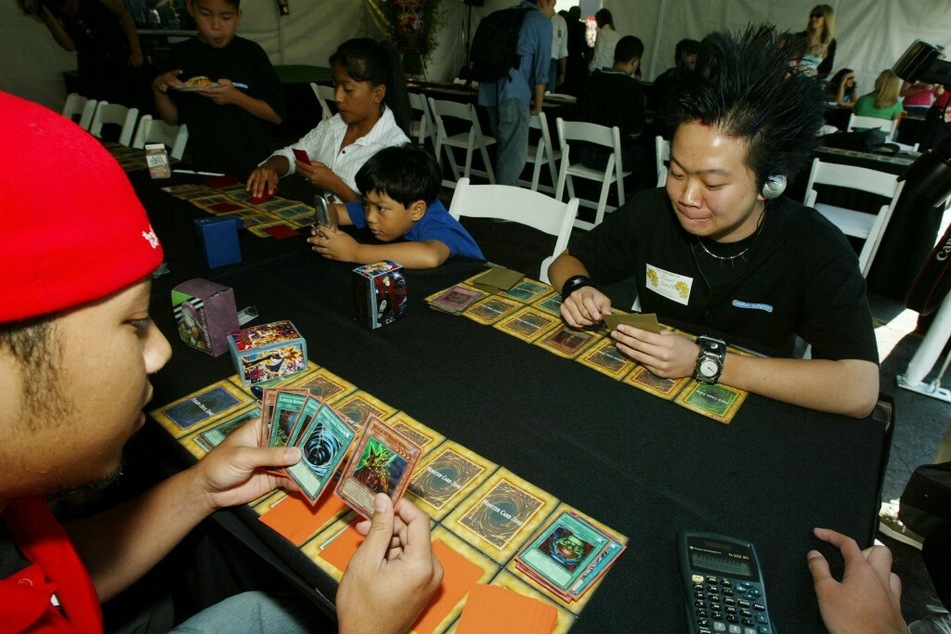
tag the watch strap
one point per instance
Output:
(574, 283)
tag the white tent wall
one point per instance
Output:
(871, 34)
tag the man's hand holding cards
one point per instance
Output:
(296, 418)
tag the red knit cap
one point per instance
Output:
(71, 227)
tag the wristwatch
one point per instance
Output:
(710, 359)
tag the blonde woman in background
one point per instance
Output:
(820, 40)
(883, 101)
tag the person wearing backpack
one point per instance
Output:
(508, 99)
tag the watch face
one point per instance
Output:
(709, 367)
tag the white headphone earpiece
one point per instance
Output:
(774, 187)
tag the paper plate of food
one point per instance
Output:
(196, 83)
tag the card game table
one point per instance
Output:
(639, 464)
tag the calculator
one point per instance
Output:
(723, 585)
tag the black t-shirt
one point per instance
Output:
(226, 138)
(799, 276)
(613, 98)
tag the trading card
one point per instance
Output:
(501, 514)
(223, 208)
(496, 279)
(644, 321)
(214, 436)
(528, 291)
(301, 156)
(646, 380)
(324, 384)
(284, 417)
(566, 341)
(324, 443)
(563, 550)
(447, 475)
(605, 357)
(307, 412)
(358, 408)
(426, 437)
(381, 462)
(268, 399)
(528, 323)
(261, 229)
(714, 400)
(550, 304)
(456, 299)
(491, 309)
(199, 408)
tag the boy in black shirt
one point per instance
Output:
(228, 123)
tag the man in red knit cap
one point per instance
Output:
(77, 347)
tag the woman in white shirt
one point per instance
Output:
(605, 42)
(373, 112)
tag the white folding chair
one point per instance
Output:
(470, 140)
(544, 153)
(868, 226)
(662, 152)
(79, 109)
(421, 128)
(325, 96)
(505, 202)
(612, 173)
(116, 114)
(888, 126)
(150, 130)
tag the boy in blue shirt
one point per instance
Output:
(402, 211)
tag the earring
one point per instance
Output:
(774, 187)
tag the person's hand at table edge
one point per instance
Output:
(393, 574)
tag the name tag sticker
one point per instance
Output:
(673, 286)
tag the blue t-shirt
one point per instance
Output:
(436, 224)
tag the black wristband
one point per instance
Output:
(574, 283)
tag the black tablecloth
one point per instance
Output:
(643, 466)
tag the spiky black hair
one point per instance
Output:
(746, 85)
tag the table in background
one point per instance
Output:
(644, 466)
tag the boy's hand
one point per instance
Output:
(167, 80)
(223, 94)
(334, 244)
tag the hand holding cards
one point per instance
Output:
(382, 461)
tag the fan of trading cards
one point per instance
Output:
(382, 460)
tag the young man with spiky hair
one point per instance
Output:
(721, 253)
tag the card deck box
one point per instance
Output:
(379, 293)
(219, 240)
(205, 313)
(266, 352)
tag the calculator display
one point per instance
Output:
(721, 564)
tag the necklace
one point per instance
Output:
(736, 256)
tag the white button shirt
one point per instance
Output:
(323, 144)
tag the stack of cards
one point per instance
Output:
(295, 418)
(568, 555)
(455, 300)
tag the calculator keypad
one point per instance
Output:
(732, 607)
